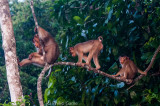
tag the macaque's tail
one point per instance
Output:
(49, 73)
(141, 72)
(100, 38)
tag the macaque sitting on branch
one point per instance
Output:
(93, 47)
(49, 45)
(128, 70)
(35, 58)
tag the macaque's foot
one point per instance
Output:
(129, 81)
(19, 63)
(88, 66)
(82, 64)
(79, 64)
(30, 56)
(18, 60)
(89, 69)
(97, 68)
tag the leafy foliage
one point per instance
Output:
(129, 27)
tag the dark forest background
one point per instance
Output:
(130, 27)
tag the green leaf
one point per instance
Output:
(78, 19)
(87, 18)
(60, 100)
(46, 94)
(115, 51)
(51, 82)
(58, 70)
(83, 96)
(113, 68)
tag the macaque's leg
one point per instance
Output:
(85, 59)
(96, 62)
(36, 61)
(129, 81)
(80, 57)
(116, 75)
(25, 62)
(90, 56)
(125, 74)
(51, 53)
(35, 54)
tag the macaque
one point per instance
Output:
(50, 47)
(93, 47)
(128, 70)
(35, 58)
(37, 44)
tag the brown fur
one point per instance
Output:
(49, 45)
(128, 70)
(93, 47)
(35, 58)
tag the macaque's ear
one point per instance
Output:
(71, 48)
(127, 58)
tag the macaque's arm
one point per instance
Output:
(120, 72)
(80, 57)
(35, 54)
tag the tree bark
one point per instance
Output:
(9, 47)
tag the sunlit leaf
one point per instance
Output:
(78, 19)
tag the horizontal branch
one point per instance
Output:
(93, 69)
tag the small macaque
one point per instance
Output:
(128, 70)
(93, 47)
(35, 58)
(49, 45)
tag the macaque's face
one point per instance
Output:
(36, 41)
(73, 53)
(123, 59)
(36, 44)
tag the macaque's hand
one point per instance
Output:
(30, 56)
(113, 75)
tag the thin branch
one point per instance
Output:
(39, 88)
(93, 69)
(34, 16)
(36, 23)
(156, 74)
(147, 69)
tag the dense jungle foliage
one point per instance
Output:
(130, 27)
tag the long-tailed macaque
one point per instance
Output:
(49, 45)
(35, 58)
(128, 70)
(93, 47)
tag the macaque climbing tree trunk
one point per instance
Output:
(9, 46)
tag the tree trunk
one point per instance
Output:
(9, 46)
